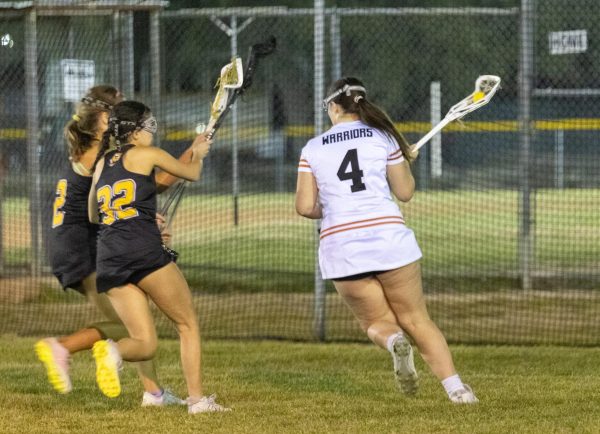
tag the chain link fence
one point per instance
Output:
(506, 207)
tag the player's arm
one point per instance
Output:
(92, 199)
(401, 180)
(307, 196)
(164, 180)
(149, 157)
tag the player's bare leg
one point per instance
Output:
(169, 290)
(404, 292)
(366, 299)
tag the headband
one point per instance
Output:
(149, 124)
(88, 100)
(347, 89)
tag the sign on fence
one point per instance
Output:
(78, 76)
(568, 42)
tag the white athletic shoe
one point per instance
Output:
(206, 404)
(55, 358)
(108, 364)
(463, 396)
(167, 398)
(404, 366)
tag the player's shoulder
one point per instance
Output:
(151, 153)
(317, 141)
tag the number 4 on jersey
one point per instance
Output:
(355, 174)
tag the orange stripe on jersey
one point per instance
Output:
(395, 155)
(399, 222)
(360, 222)
(304, 163)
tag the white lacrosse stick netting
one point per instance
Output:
(230, 79)
(485, 88)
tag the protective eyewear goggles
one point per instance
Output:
(149, 124)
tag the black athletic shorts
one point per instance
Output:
(73, 253)
(123, 261)
(358, 276)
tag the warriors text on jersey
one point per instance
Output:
(362, 229)
(73, 237)
(129, 244)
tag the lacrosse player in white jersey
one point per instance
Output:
(344, 178)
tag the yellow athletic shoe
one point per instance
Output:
(108, 364)
(55, 358)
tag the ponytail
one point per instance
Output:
(354, 100)
(78, 137)
(104, 147)
(83, 128)
(375, 117)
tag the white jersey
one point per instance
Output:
(362, 228)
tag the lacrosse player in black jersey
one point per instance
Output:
(73, 248)
(132, 265)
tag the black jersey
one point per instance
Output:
(129, 244)
(72, 237)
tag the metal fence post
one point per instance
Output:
(559, 158)
(155, 73)
(122, 33)
(525, 87)
(232, 31)
(319, 73)
(336, 45)
(116, 48)
(33, 145)
(127, 55)
(436, 116)
(235, 162)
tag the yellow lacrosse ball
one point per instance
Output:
(478, 95)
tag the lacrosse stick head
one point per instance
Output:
(485, 88)
(230, 79)
(232, 74)
(256, 51)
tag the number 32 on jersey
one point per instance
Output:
(115, 201)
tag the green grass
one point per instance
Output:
(469, 236)
(283, 387)
(502, 317)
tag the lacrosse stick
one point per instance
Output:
(230, 79)
(485, 88)
(233, 82)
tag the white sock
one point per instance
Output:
(390, 340)
(452, 384)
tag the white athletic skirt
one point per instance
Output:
(357, 251)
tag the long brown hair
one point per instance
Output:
(82, 129)
(356, 102)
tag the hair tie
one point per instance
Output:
(76, 118)
(357, 98)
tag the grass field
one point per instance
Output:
(284, 387)
(501, 317)
(460, 232)
(256, 279)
